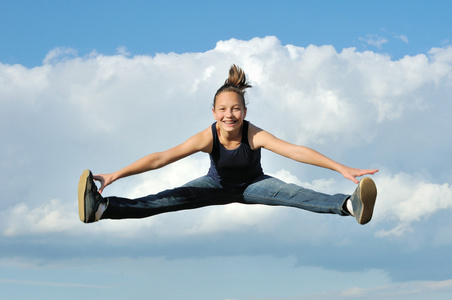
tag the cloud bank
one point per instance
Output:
(103, 112)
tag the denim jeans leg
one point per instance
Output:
(272, 191)
(200, 192)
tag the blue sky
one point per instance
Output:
(99, 84)
(30, 29)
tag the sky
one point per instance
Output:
(99, 84)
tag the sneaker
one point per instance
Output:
(88, 197)
(363, 200)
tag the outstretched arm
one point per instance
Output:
(261, 138)
(199, 142)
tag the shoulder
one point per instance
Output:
(259, 138)
(253, 129)
(203, 140)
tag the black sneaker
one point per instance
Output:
(88, 197)
(363, 200)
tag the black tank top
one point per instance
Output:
(237, 167)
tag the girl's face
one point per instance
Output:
(229, 111)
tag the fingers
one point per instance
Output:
(366, 172)
(354, 180)
(352, 173)
(97, 177)
(101, 179)
(371, 172)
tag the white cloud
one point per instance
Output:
(374, 40)
(50, 217)
(123, 51)
(407, 198)
(403, 199)
(403, 38)
(106, 111)
(60, 54)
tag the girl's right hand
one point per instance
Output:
(104, 179)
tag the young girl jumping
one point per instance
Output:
(235, 175)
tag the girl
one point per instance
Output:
(235, 173)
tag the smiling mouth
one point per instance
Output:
(229, 122)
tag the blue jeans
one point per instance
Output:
(205, 191)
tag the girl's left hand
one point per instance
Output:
(352, 173)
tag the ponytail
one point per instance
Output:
(236, 82)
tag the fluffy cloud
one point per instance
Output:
(403, 199)
(408, 198)
(103, 112)
(43, 219)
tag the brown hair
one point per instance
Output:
(236, 82)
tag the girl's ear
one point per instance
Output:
(244, 112)
(213, 112)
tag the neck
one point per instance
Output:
(230, 138)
